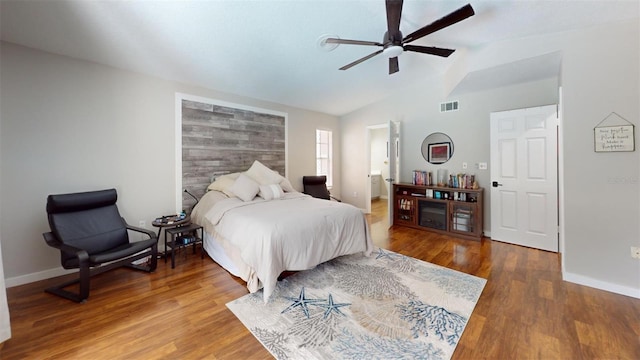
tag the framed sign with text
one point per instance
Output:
(614, 138)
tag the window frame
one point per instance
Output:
(328, 158)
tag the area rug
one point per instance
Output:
(386, 306)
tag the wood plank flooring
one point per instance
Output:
(525, 312)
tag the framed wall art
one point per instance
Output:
(439, 152)
(612, 138)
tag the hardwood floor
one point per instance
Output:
(525, 311)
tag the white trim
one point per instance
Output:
(602, 285)
(561, 202)
(5, 319)
(178, 134)
(367, 184)
(331, 170)
(37, 276)
(178, 151)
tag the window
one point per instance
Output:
(324, 155)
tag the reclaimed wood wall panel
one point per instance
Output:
(218, 140)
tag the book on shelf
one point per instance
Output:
(462, 181)
(421, 177)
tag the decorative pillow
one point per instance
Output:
(271, 192)
(285, 184)
(234, 175)
(245, 188)
(223, 184)
(262, 174)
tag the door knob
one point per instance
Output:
(495, 184)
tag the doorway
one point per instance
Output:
(378, 170)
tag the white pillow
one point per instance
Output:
(234, 175)
(286, 186)
(223, 184)
(271, 192)
(245, 188)
(262, 174)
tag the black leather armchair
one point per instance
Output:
(316, 186)
(89, 232)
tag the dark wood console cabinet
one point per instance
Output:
(452, 211)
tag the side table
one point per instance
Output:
(169, 222)
(183, 236)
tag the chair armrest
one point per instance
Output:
(151, 234)
(51, 240)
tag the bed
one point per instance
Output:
(257, 238)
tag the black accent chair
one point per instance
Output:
(316, 186)
(89, 232)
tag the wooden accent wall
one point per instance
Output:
(218, 140)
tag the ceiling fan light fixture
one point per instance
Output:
(393, 51)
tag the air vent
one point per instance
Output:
(449, 106)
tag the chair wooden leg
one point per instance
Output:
(85, 274)
(59, 291)
(154, 258)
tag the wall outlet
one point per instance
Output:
(142, 224)
(635, 252)
(464, 165)
(482, 166)
(355, 194)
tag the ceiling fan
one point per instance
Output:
(393, 44)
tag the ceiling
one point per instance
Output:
(269, 49)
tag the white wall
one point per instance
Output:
(70, 125)
(418, 111)
(601, 190)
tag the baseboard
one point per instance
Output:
(486, 234)
(37, 276)
(602, 285)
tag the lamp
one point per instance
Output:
(393, 51)
(195, 198)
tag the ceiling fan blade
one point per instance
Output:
(361, 60)
(394, 12)
(352, 42)
(393, 65)
(429, 50)
(448, 20)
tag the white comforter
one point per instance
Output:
(295, 233)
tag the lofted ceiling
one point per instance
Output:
(270, 50)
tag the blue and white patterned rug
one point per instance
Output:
(386, 306)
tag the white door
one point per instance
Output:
(394, 163)
(524, 188)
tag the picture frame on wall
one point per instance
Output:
(614, 138)
(439, 152)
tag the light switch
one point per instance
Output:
(464, 165)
